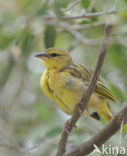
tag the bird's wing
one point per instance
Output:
(84, 73)
(102, 90)
(78, 71)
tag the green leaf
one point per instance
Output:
(43, 9)
(125, 129)
(102, 119)
(54, 131)
(117, 92)
(63, 40)
(43, 112)
(49, 36)
(85, 3)
(123, 14)
(6, 40)
(118, 56)
(26, 41)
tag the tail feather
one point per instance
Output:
(106, 113)
(107, 117)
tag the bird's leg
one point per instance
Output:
(87, 110)
(80, 110)
(66, 127)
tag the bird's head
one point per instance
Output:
(55, 58)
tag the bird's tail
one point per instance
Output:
(107, 117)
(106, 113)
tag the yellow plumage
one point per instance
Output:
(65, 83)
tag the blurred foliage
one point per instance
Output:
(50, 31)
(30, 124)
(85, 4)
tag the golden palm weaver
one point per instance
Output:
(65, 83)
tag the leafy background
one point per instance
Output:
(30, 124)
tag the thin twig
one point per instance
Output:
(109, 130)
(75, 33)
(89, 15)
(83, 103)
(78, 35)
(89, 25)
(72, 6)
(85, 15)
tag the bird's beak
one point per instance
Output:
(42, 55)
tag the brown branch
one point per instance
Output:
(89, 25)
(85, 15)
(72, 6)
(73, 32)
(109, 130)
(78, 35)
(89, 15)
(64, 136)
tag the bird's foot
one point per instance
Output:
(87, 110)
(67, 127)
(80, 110)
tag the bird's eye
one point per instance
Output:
(54, 54)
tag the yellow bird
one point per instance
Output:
(65, 83)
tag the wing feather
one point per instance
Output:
(102, 90)
(84, 73)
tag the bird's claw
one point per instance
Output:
(67, 127)
(80, 110)
(87, 110)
